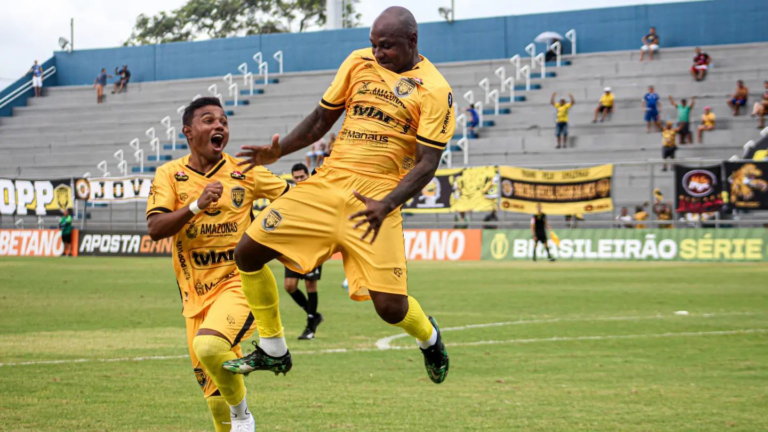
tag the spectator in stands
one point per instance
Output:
(700, 65)
(473, 121)
(707, 123)
(650, 44)
(491, 217)
(684, 118)
(663, 213)
(624, 219)
(37, 78)
(739, 97)
(640, 216)
(65, 224)
(761, 108)
(328, 149)
(652, 107)
(561, 126)
(316, 153)
(123, 76)
(605, 106)
(668, 142)
(460, 220)
(99, 83)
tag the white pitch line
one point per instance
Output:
(384, 343)
(461, 344)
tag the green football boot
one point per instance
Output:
(436, 357)
(259, 360)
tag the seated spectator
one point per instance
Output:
(315, 153)
(491, 217)
(461, 220)
(122, 77)
(640, 216)
(561, 125)
(668, 143)
(739, 98)
(652, 108)
(684, 118)
(650, 44)
(663, 213)
(707, 122)
(605, 106)
(99, 83)
(761, 108)
(700, 65)
(624, 219)
(473, 121)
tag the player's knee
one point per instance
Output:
(392, 311)
(204, 348)
(291, 285)
(246, 257)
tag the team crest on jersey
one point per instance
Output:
(238, 196)
(202, 379)
(181, 176)
(404, 87)
(191, 231)
(272, 221)
(237, 175)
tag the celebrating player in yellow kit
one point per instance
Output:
(204, 202)
(400, 117)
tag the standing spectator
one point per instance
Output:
(605, 106)
(624, 219)
(652, 107)
(37, 78)
(761, 108)
(460, 220)
(123, 77)
(739, 97)
(316, 153)
(491, 217)
(328, 149)
(650, 44)
(700, 65)
(684, 118)
(99, 83)
(640, 216)
(473, 121)
(65, 224)
(668, 146)
(539, 228)
(663, 213)
(561, 125)
(707, 122)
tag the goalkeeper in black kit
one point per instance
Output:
(539, 228)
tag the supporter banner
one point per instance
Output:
(20, 242)
(737, 244)
(114, 189)
(585, 190)
(37, 197)
(457, 189)
(747, 184)
(115, 243)
(698, 190)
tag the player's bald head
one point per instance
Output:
(394, 39)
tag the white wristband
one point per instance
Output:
(194, 208)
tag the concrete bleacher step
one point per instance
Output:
(156, 158)
(260, 81)
(255, 91)
(507, 99)
(522, 87)
(178, 146)
(492, 111)
(146, 169)
(239, 103)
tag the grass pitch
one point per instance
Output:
(536, 347)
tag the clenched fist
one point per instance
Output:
(211, 194)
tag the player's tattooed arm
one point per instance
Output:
(311, 129)
(427, 161)
(163, 225)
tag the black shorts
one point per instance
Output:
(668, 152)
(605, 108)
(314, 275)
(66, 238)
(684, 128)
(542, 236)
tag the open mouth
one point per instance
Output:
(217, 142)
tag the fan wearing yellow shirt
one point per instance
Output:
(707, 123)
(668, 142)
(605, 106)
(399, 118)
(561, 125)
(204, 203)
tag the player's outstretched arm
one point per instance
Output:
(311, 129)
(163, 225)
(427, 161)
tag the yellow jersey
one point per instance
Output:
(204, 250)
(606, 100)
(641, 216)
(562, 112)
(708, 119)
(668, 137)
(387, 114)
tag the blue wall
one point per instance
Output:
(679, 24)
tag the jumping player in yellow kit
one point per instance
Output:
(400, 117)
(204, 202)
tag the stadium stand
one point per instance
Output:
(67, 134)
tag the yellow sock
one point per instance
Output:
(220, 412)
(416, 322)
(213, 351)
(260, 289)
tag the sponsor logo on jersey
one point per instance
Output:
(182, 196)
(446, 121)
(450, 100)
(398, 272)
(191, 231)
(181, 176)
(237, 175)
(213, 209)
(408, 163)
(204, 259)
(202, 379)
(272, 221)
(226, 229)
(387, 96)
(364, 88)
(202, 288)
(404, 87)
(238, 196)
(374, 139)
(182, 260)
(380, 117)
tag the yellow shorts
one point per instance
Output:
(229, 315)
(310, 223)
